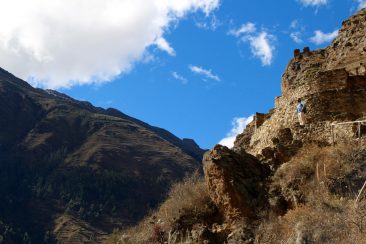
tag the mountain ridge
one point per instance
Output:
(82, 165)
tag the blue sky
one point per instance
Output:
(198, 68)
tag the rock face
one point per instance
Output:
(95, 169)
(235, 182)
(253, 191)
(332, 82)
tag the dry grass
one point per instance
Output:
(339, 168)
(318, 187)
(187, 202)
(315, 191)
(330, 221)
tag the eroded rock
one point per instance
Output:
(332, 83)
(235, 182)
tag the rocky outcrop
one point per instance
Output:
(331, 81)
(235, 182)
(348, 50)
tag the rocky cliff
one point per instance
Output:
(72, 172)
(331, 81)
(282, 182)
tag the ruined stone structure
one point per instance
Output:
(264, 186)
(332, 82)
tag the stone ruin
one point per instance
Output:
(331, 81)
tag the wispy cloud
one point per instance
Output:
(321, 37)
(207, 73)
(163, 45)
(179, 77)
(296, 37)
(361, 4)
(294, 24)
(314, 3)
(262, 47)
(238, 126)
(296, 30)
(244, 29)
(211, 24)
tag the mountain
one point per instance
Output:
(283, 182)
(73, 172)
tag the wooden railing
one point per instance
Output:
(358, 122)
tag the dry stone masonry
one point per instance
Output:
(332, 82)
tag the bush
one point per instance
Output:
(187, 202)
(339, 168)
(317, 191)
(332, 220)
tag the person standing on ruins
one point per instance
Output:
(301, 110)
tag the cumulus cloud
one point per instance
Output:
(261, 43)
(262, 47)
(313, 2)
(163, 45)
(207, 73)
(238, 126)
(361, 4)
(61, 43)
(179, 77)
(244, 29)
(320, 37)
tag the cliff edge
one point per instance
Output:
(331, 81)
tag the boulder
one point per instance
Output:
(235, 182)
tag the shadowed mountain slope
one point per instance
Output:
(75, 171)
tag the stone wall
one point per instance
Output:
(331, 81)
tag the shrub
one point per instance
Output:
(318, 188)
(187, 202)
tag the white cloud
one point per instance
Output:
(163, 45)
(207, 73)
(244, 29)
(61, 43)
(296, 37)
(212, 24)
(179, 77)
(261, 43)
(320, 37)
(262, 47)
(313, 2)
(361, 4)
(294, 24)
(238, 126)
